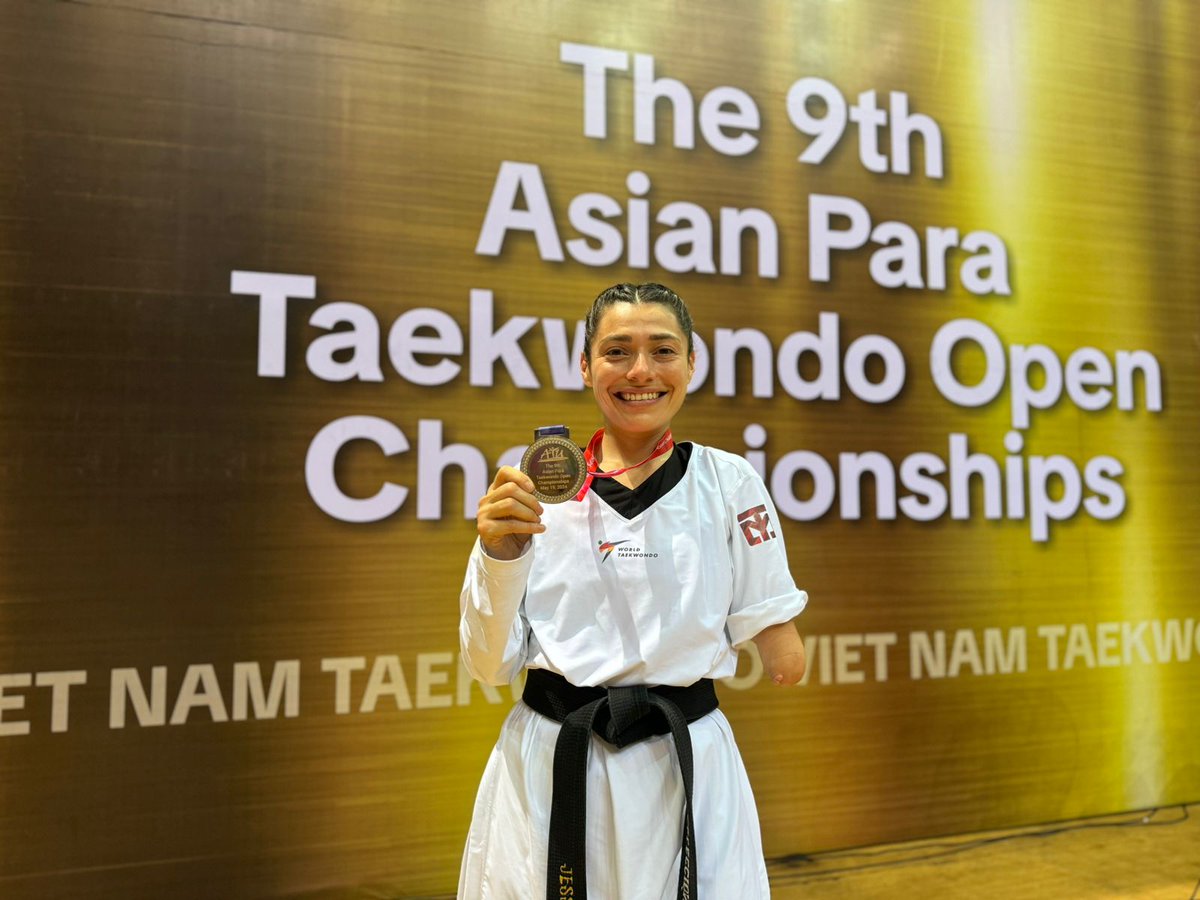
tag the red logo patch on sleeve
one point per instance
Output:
(756, 524)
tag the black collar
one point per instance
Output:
(631, 502)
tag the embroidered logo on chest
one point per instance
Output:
(756, 524)
(625, 549)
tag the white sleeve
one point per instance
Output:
(764, 592)
(493, 633)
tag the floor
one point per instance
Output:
(1149, 855)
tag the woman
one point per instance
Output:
(669, 559)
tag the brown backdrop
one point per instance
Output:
(154, 510)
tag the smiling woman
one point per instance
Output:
(622, 647)
(637, 360)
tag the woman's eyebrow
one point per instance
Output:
(628, 339)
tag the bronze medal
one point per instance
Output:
(555, 465)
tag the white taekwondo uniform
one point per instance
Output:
(658, 599)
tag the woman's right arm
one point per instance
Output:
(492, 632)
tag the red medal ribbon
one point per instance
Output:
(593, 468)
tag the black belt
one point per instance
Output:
(622, 716)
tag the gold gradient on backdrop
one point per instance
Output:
(359, 144)
(1098, 190)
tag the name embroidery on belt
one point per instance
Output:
(756, 524)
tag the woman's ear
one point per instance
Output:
(583, 367)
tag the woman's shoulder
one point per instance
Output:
(725, 465)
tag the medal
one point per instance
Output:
(554, 464)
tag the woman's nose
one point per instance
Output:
(639, 368)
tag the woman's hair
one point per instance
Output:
(635, 293)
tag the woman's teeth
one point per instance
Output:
(645, 396)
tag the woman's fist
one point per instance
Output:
(508, 514)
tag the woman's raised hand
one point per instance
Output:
(508, 514)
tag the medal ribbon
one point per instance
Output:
(593, 467)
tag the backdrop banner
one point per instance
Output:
(284, 282)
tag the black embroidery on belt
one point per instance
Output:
(621, 716)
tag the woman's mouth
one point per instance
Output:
(640, 396)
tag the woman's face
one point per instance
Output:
(639, 369)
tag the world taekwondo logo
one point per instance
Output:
(607, 547)
(626, 549)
